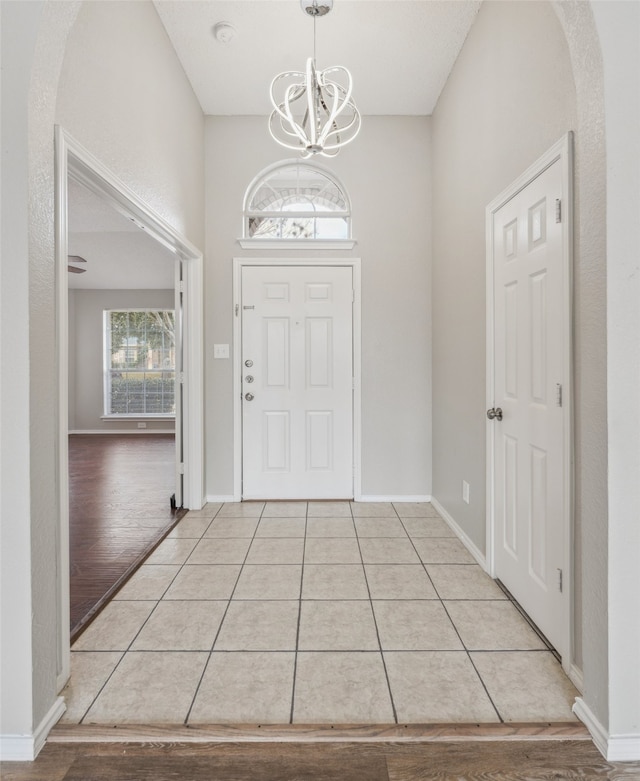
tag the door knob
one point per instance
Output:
(248, 363)
(494, 412)
(248, 378)
(248, 396)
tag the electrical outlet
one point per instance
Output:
(142, 425)
(465, 492)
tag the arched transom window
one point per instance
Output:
(296, 201)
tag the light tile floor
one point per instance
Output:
(313, 612)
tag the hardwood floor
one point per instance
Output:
(119, 510)
(488, 760)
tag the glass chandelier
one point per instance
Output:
(313, 112)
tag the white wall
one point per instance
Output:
(86, 365)
(527, 73)
(124, 96)
(387, 175)
(619, 29)
(509, 97)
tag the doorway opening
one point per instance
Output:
(78, 168)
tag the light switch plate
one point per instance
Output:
(220, 350)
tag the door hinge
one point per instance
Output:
(558, 210)
(181, 378)
(353, 295)
(181, 286)
(180, 469)
(558, 394)
(559, 580)
(237, 309)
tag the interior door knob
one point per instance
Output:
(248, 396)
(494, 412)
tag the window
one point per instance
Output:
(140, 362)
(296, 201)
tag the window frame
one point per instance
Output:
(107, 369)
(248, 242)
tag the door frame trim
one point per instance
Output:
(238, 265)
(73, 160)
(561, 151)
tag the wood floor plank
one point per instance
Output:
(119, 492)
(233, 763)
(316, 733)
(431, 761)
(499, 761)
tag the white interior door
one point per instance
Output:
(179, 382)
(297, 382)
(529, 375)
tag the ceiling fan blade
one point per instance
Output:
(76, 259)
(75, 270)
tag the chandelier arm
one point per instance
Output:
(288, 74)
(288, 115)
(284, 143)
(332, 113)
(343, 142)
(337, 91)
(311, 96)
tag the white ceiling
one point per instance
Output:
(400, 52)
(119, 255)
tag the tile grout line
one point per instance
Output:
(466, 650)
(295, 656)
(224, 615)
(375, 622)
(468, 653)
(126, 651)
(441, 600)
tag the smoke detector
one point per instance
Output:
(224, 32)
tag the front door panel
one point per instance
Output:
(297, 364)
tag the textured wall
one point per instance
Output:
(386, 173)
(509, 97)
(125, 97)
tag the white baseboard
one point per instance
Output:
(123, 431)
(473, 549)
(624, 748)
(394, 498)
(575, 676)
(25, 748)
(366, 498)
(614, 748)
(598, 733)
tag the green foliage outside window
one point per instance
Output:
(141, 356)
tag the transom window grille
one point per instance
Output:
(140, 362)
(296, 200)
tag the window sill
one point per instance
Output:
(134, 418)
(297, 244)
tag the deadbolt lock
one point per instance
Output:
(248, 378)
(248, 363)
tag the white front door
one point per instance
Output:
(297, 382)
(529, 374)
